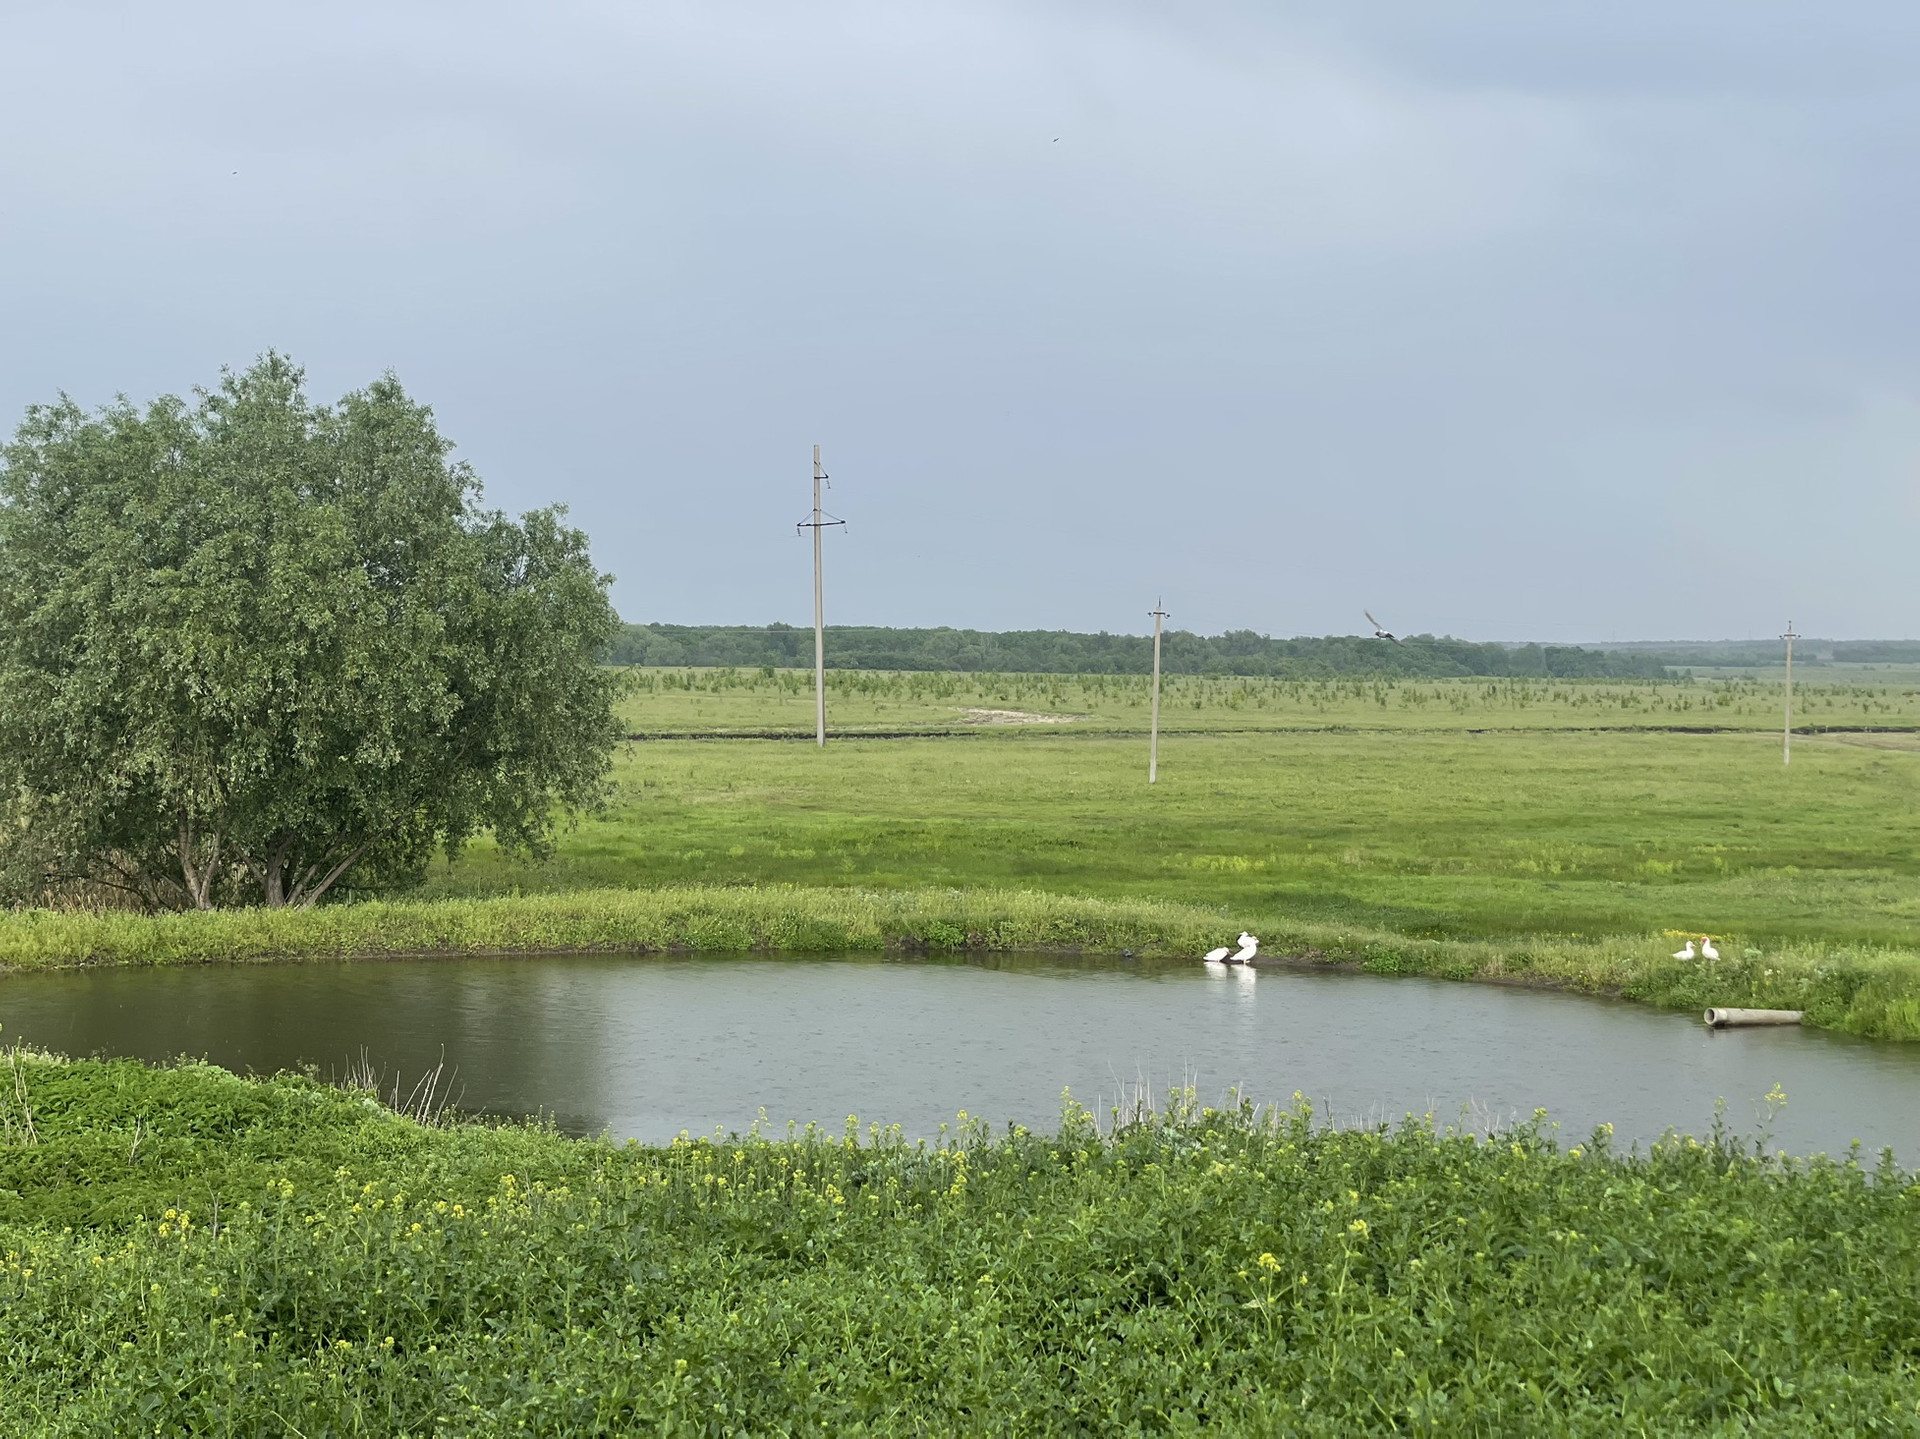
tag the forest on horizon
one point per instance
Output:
(1236, 652)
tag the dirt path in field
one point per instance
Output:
(980, 716)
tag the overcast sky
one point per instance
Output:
(1567, 321)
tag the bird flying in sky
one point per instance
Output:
(1379, 631)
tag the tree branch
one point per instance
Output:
(338, 870)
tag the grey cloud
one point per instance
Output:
(1561, 321)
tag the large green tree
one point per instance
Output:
(253, 648)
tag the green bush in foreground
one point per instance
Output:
(1854, 988)
(308, 1263)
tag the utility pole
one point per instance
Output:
(1786, 734)
(817, 524)
(1153, 745)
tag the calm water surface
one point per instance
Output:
(645, 1048)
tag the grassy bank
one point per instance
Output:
(1445, 834)
(701, 918)
(184, 1251)
(1855, 989)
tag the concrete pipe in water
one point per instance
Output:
(1747, 1018)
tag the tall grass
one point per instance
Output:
(280, 1258)
(699, 918)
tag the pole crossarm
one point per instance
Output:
(821, 519)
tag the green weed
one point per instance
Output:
(280, 1257)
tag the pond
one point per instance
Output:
(648, 1047)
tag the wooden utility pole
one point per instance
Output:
(1153, 744)
(819, 522)
(1786, 733)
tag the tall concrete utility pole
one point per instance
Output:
(1786, 733)
(1153, 744)
(819, 522)
(819, 617)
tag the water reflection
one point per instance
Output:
(649, 1047)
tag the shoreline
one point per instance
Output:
(1871, 993)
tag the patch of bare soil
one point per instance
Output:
(980, 716)
(1871, 741)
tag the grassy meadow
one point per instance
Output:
(1565, 833)
(186, 1251)
(1507, 835)
(183, 1251)
(1442, 834)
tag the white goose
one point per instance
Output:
(1249, 947)
(1216, 956)
(1707, 951)
(1686, 953)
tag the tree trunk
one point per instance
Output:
(198, 875)
(273, 875)
(289, 883)
(312, 896)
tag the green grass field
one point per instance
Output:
(186, 1252)
(1496, 820)
(1563, 833)
(1442, 834)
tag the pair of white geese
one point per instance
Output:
(1249, 947)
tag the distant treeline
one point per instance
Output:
(1237, 652)
(1749, 654)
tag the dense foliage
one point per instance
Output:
(183, 1251)
(1751, 654)
(253, 647)
(1237, 652)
